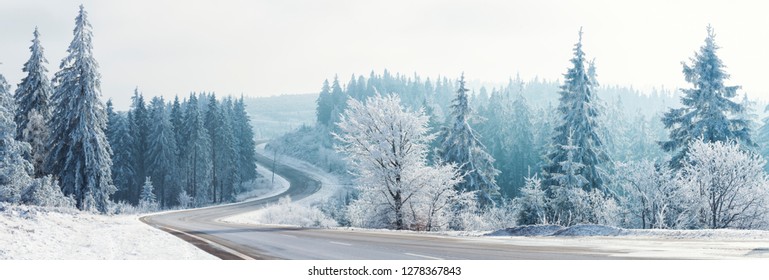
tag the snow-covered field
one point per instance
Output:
(38, 233)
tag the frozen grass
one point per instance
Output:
(39, 233)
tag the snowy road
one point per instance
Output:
(240, 241)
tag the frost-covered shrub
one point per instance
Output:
(571, 206)
(45, 191)
(531, 206)
(287, 213)
(728, 186)
(184, 199)
(650, 196)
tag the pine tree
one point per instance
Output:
(33, 109)
(325, 105)
(708, 106)
(139, 124)
(80, 154)
(14, 168)
(162, 153)
(245, 144)
(522, 157)
(460, 145)
(578, 108)
(121, 141)
(222, 153)
(196, 153)
(147, 198)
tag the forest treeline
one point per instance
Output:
(562, 152)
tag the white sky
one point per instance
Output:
(262, 48)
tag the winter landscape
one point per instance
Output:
(446, 165)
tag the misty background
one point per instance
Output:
(263, 48)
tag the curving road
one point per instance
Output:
(240, 241)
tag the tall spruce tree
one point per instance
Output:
(162, 153)
(709, 111)
(138, 117)
(460, 145)
(245, 144)
(80, 154)
(14, 168)
(197, 151)
(33, 110)
(325, 105)
(578, 108)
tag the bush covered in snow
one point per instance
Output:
(287, 213)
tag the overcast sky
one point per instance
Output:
(262, 48)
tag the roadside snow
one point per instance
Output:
(37, 233)
(601, 230)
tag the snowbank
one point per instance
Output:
(532, 230)
(39, 233)
(601, 230)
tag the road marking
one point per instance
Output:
(422, 256)
(221, 247)
(287, 235)
(340, 243)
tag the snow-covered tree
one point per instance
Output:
(729, 185)
(244, 143)
(33, 110)
(14, 168)
(121, 142)
(80, 154)
(162, 152)
(708, 106)
(386, 148)
(147, 198)
(531, 206)
(222, 151)
(578, 108)
(138, 120)
(651, 197)
(325, 104)
(460, 145)
(569, 203)
(197, 157)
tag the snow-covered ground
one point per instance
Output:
(38, 233)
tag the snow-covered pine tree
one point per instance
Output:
(121, 142)
(138, 118)
(14, 168)
(578, 108)
(522, 157)
(222, 153)
(460, 145)
(245, 144)
(325, 104)
(162, 153)
(33, 110)
(197, 157)
(147, 199)
(80, 154)
(709, 110)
